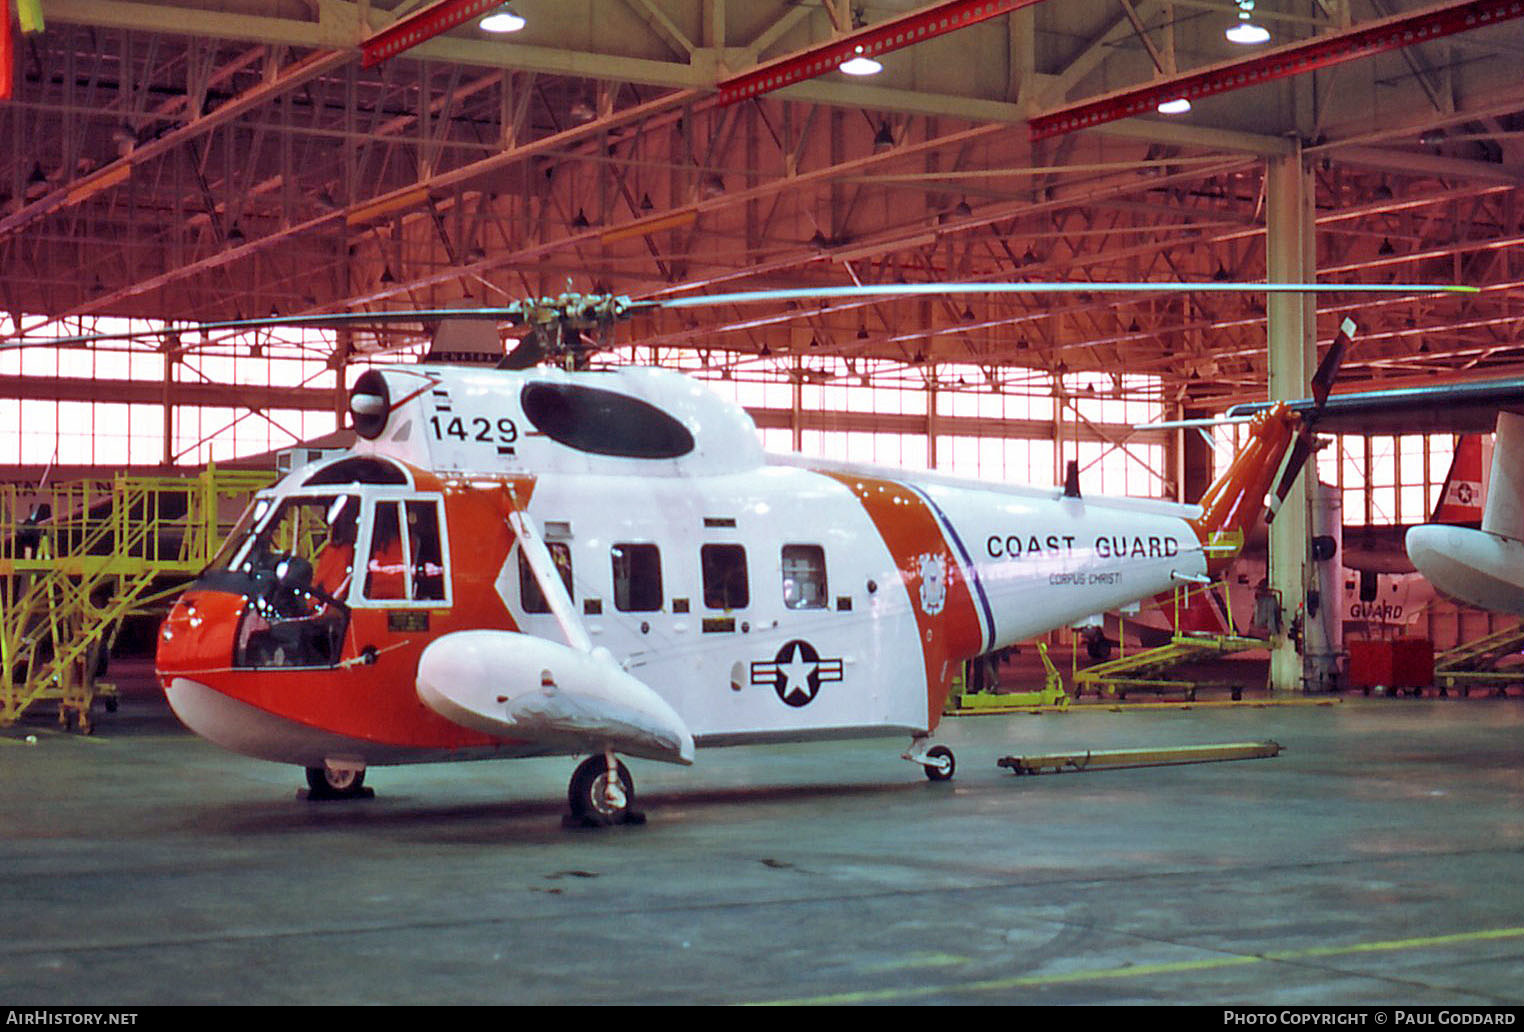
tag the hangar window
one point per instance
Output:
(725, 584)
(637, 578)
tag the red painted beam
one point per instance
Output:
(876, 39)
(409, 31)
(1283, 62)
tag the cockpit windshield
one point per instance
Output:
(317, 529)
(294, 565)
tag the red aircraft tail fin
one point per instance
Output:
(1460, 500)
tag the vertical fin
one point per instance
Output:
(1460, 500)
(1231, 507)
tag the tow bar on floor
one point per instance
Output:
(1113, 759)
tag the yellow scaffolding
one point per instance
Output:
(79, 557)
(1148, 670)
(1483, 663)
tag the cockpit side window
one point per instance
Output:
(424, 547)
(405, 557)
(386, 570)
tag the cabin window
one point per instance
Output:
(637, 578)
(602, 422)
(530, 595)
(804, 577)
(725, 584)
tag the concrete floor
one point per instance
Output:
(1376, 861)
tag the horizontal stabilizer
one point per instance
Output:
(529, 689)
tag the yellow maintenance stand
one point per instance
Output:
(1051, 695)
(78, 557)
(1150, 669)
(1482, 663)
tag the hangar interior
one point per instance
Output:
(171, 163)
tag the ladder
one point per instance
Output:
(1476, 663)
(77, 558)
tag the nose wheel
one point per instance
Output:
(337, 783)
(602, 793)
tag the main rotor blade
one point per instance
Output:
(513, 313)
(921, 289)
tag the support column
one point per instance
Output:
(1292, 355)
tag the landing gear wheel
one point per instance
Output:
(598, 800)
(335, 783)
(939, 763)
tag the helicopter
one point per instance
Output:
(543, 556)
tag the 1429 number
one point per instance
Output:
(480, 428)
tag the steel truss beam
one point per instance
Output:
(1296, 59)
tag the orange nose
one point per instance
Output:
(198, 634)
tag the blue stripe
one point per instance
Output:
(968, 563)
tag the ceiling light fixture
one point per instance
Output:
(1178, 106)
(1246, 33)
(861, 65)
(501, 20)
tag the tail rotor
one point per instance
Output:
(1306, 438)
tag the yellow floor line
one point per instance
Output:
(1147, 970)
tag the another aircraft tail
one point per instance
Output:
(1460, 500)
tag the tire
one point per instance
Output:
(943, 764)
(589, 797)
(327, 783)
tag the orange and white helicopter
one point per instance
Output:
(536, 560)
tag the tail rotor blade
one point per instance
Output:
(1301, 450)
(1328, 369)
(1306, 441)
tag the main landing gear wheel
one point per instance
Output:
(939, 763)
(335, 783)
(598, 800)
